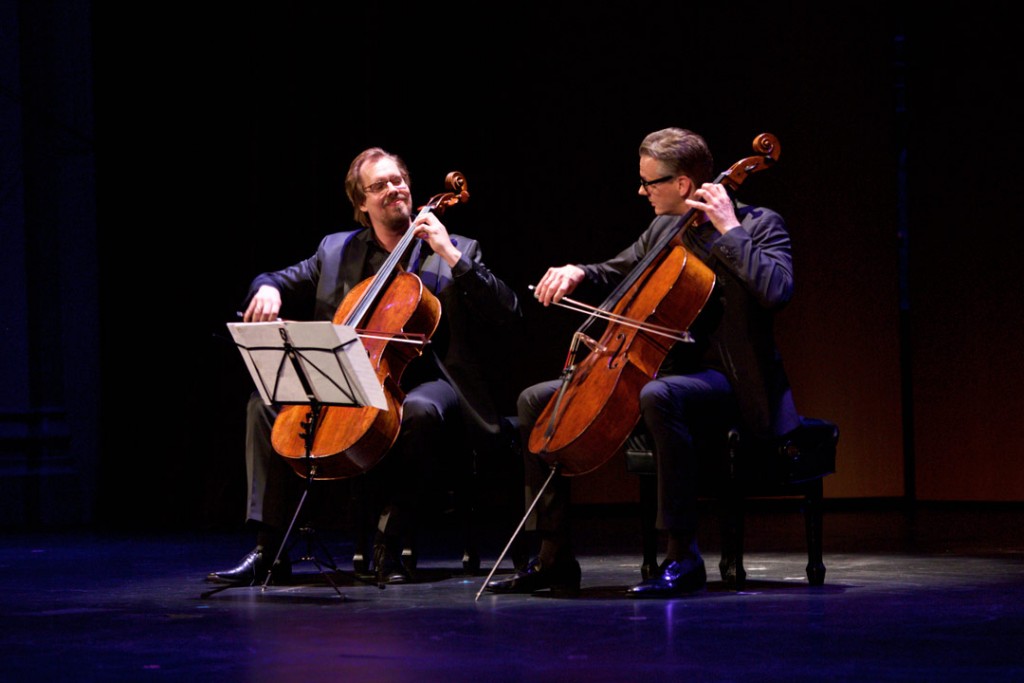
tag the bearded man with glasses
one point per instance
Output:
(443, 388)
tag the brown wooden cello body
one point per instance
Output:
(597, 406)
(394, 315)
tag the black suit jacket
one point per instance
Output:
(474, 305)
(734, 332)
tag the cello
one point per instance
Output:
(597, 406)
(394, 315)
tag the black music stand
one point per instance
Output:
(308, 363)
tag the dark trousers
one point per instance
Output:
(431, 426)
(678, 412)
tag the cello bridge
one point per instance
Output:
(593, 344)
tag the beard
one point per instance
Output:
(399, 217)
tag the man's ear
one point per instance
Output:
(685, 185)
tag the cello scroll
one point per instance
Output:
(454, 181)
(769, 150)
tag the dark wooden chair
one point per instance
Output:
(476, 466)
(740, 467)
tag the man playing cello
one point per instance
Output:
(438, 385)
(731, 371)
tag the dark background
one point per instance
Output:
(210, 143)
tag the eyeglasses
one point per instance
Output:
(381, 185)
(646, 184)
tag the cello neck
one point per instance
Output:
(768, 149)
(456, 182)
(644, 266)
(383, 276)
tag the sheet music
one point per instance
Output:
(336, 367)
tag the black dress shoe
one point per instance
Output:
(674, 579)
(388, 567)
(253, 570)
(561, 576)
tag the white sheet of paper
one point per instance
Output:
(332, 357)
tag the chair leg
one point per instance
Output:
(409, 555)
(363, 551)
(520, 553)
(731, 565)
(648, 532)
(468, 507)
(813, 514)
(513, 451)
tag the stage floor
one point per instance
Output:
(927, 595)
